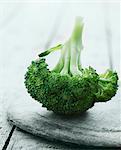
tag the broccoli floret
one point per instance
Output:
(107, 86)
(68, 88)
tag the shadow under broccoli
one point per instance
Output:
(68, 88)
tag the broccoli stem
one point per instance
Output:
(65, 70)
(60, 63)
(76, 47)
(69, 62)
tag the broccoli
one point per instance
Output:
(68, 88)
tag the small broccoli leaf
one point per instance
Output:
(48, 51)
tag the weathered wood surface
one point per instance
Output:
(5, 127)
(26, 141)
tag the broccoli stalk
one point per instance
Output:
(69, 62)
(68, 88)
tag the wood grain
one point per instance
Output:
(5, 127)
(26, 141)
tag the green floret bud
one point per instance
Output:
(107, 86)
(68, 88)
